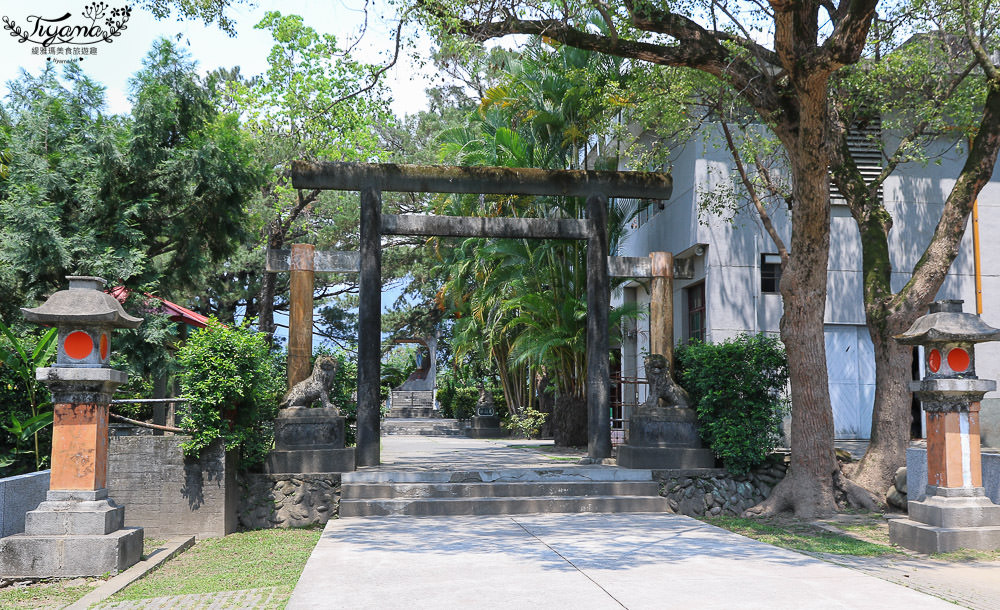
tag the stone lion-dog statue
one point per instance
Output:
(314, 387)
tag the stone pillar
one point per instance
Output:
(598, 352)
(300, 312)
(368, 452)
(661, 306)
(955, 512)
(77, 530)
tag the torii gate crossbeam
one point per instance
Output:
(372, 179)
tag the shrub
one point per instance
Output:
(464, 404)
(233, 384)
(528, 424)
(446, 398)
(738, 390)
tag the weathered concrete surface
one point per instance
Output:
(989, 423)
(22, 555)
(575, 561)
(169, 494)
(18, 495)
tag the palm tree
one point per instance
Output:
(522, 304)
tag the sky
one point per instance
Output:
(212, 48)
(116, 62)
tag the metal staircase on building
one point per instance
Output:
(500, 492)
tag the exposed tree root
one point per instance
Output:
(875, 472)
(809, 499)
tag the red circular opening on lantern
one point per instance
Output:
(104, 346)
(934, 360)
(958, 360)
(78, 345)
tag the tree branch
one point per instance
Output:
(699, 49)
(930, 270)
(765, 218)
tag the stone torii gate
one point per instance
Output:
(372, 179)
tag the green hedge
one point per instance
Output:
(738, 390)
(233, 384)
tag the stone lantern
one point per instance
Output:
(77, 530)
(956, 512)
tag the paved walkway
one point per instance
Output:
(400, 452)
(576, 561)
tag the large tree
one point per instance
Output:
(938, 88)
(150, 200)
(313, 102)
(786, 83)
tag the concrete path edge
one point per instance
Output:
(171, 549)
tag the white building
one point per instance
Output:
(734, 286)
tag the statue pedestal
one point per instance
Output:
(72, 533)
(949, 519)
(664, 438)
(485, 426)
(309, 441)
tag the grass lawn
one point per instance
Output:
(52, 594)
(790, 533)
(57, 593)
(247, 560)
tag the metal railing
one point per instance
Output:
(164, 413)
(625, 392)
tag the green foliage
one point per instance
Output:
(396, 369)
(24, 400)
(464, 405)
(152, 200)
(527, 424)
(446, 397)
(520, 305)
(737, 388)
(233, 384)
(23, 432)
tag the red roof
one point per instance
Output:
(176, 312)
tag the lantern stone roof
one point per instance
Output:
(83, 303)
(947, 323)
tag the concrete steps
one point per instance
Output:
(412, 403)
(499, 492)
(413, 412)
(422, 426)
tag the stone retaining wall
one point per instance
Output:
(169, 494)
(18, 495)
(288, 500)
(715, 491)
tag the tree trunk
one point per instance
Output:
(569, 421)
(808, 487)
(891, 416)
(265, 323)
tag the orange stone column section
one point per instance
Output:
(79, 447)
(946, 452)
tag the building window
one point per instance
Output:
(770, 273)
(695, 312)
